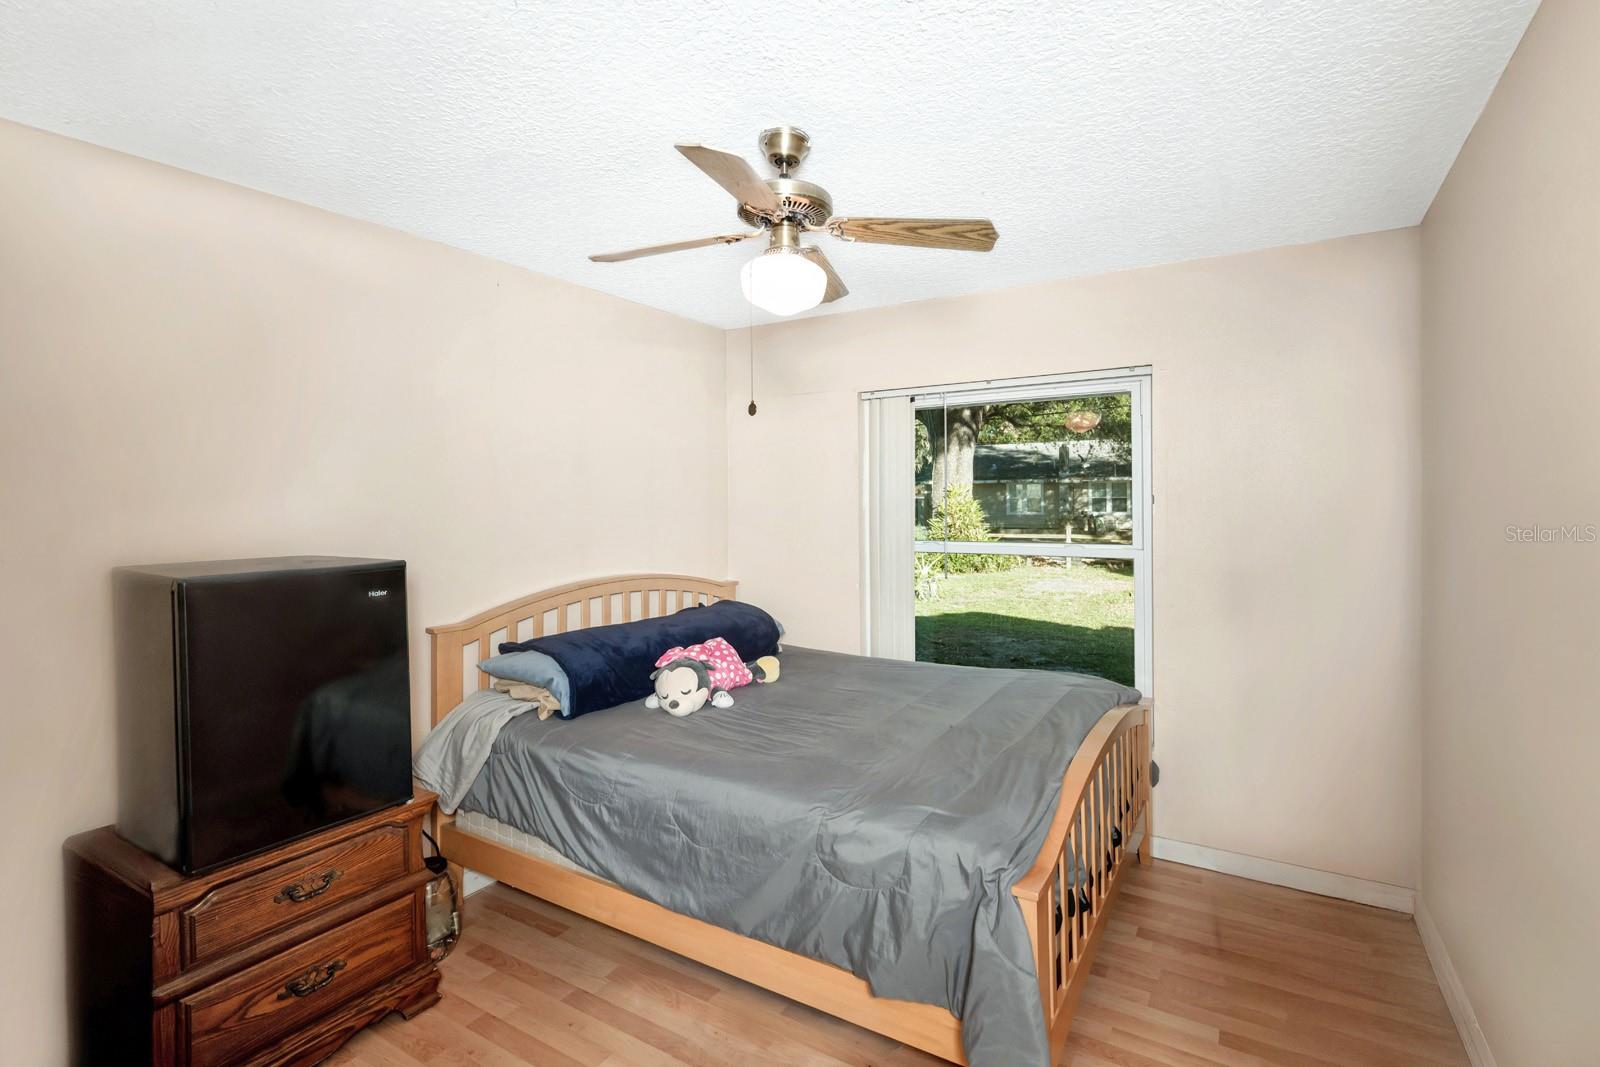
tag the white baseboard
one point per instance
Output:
(472, 881)
(1323, 883)
(1455, 994)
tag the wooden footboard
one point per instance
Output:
(1103, 811)
(1101, 823)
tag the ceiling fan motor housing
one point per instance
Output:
(802, 202)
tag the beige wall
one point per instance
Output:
(1286, 452)
(192, 370)
(1511, 303)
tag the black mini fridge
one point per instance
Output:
(259, 700)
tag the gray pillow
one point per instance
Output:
(533, 668)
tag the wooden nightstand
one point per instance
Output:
(278, 958)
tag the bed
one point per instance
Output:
(1099, 825)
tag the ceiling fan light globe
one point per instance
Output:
(783, 282)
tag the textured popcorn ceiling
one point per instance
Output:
(1098, 134)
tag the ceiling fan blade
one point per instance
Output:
(967, 235)
(656, 250)
(835, 287)
(735, 175)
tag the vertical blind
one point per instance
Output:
(890, 554)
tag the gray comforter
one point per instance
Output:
(866, 812)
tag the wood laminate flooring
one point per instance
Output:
(1197, 968)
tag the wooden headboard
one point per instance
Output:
(459, 647)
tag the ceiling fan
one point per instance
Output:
(789, 276)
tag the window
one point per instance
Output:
(1029, 510)
(1025, 498)
(1109, 498)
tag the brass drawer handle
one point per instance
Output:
(304, 890)
(311, 981)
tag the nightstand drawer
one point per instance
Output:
(236, 913)
(226, 1021)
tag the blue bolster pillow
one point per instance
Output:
(610, 665)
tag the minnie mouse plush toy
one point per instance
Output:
(688, 678)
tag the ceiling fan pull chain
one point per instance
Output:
(752, 408)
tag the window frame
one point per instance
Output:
(1038, 487)
(1099, 497)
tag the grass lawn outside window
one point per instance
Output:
(1043, 615)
